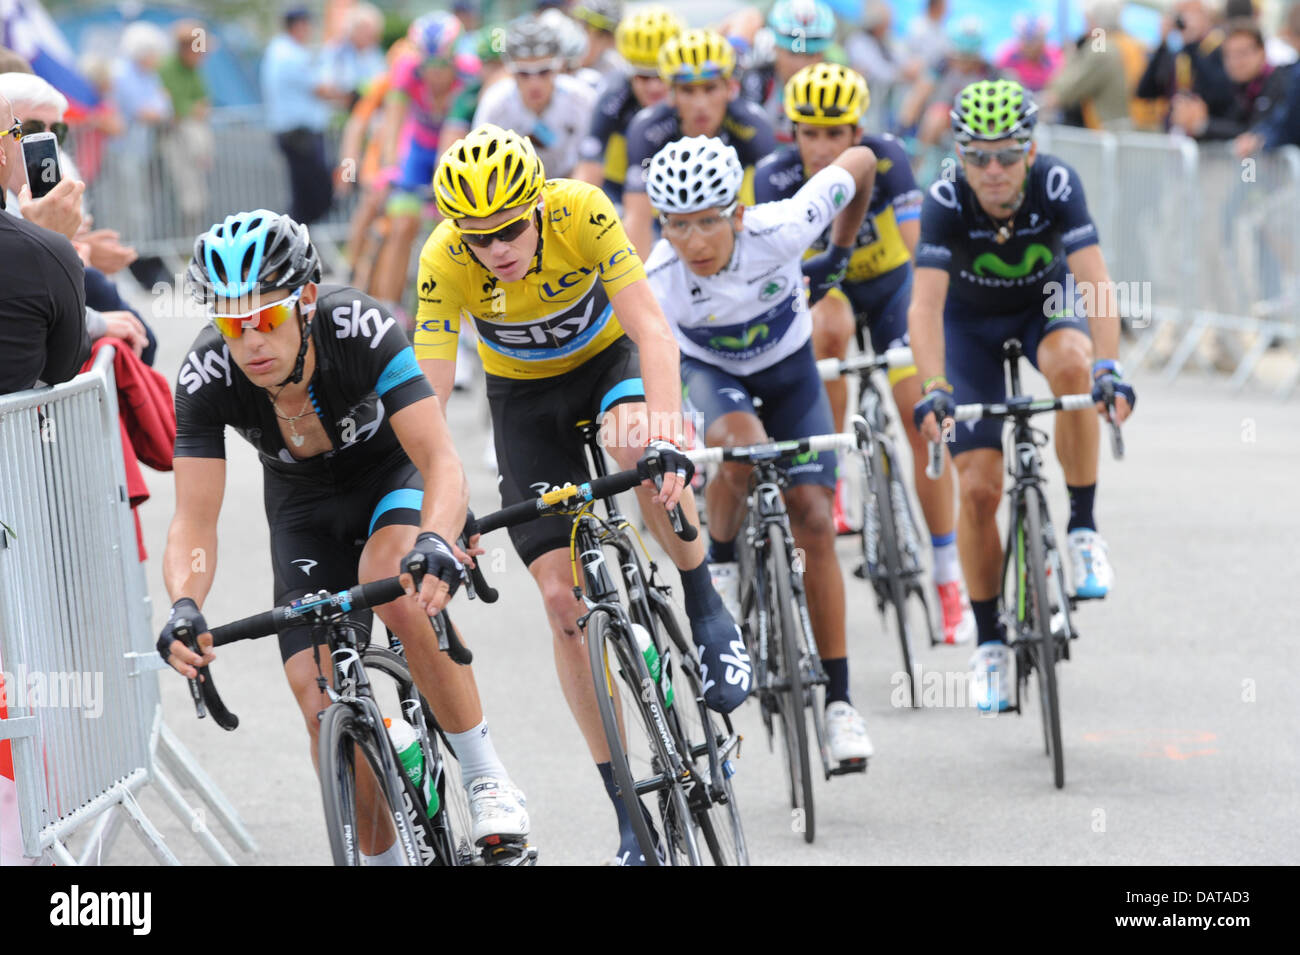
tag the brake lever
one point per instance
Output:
(184, 631)
(683, 528)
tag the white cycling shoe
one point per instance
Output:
(991, 671)
(500, 811)
(1089, 565)
(726, 581)
(846, 733)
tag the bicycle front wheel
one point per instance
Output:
(645, 771)
(364, 812)
(894, 587)
(791, 688)
(1038, 618)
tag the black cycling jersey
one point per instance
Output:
(992, 278)
(745, 126)
(365, 372)
(606, 140)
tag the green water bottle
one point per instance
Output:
(409, 752)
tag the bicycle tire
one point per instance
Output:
(890, 554)
(794, 725)
(342, 733)
(705, 735)
(1039, 617)
(635, 749)
(453, 822)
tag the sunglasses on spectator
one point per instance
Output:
(980, 158)
(264, 319)
(16, 131)
(512, 230)
(680, 229)
(539, 70)
(32, 126)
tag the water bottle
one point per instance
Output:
(409, 752)
(647, 648)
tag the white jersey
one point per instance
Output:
(753, 313)
(556, 133)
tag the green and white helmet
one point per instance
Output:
(990, 110)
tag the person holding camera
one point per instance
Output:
(1187, 68)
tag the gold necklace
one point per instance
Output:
(297, 438)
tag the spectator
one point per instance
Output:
(1029, 58)
(871, 52)
(142, 100)
(1256, 86)
(1282, 126)
(927, 39)
(11, 62)
(43, 330)
(39, 107)
(930, 100)
(187, 145)
(102, 122)
(356, 60)
(1279, 51)
(1187, 67)
(297, 112)
(1094, 87)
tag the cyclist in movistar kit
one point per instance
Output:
(826, 103)
(997, 244)
(730, 282)
(704, 101)
(568, 331)
(639, 38)
(349, 433)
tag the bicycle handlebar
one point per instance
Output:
(831, 368)
(775, 449)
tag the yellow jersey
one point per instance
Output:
(554, 319)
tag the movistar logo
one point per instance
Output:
(806, 458)
(990, 263)
(732, 343)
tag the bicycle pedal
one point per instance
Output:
(510, 854)
(848, 766)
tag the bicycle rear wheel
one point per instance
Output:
(396, 694)
(710, 747)
(1038, 617)
(363, 799)
(899, 617)
(644, 771)
(791, 689)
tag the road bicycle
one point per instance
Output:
(789, 678)
(673, 759)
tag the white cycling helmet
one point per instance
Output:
(699, 172)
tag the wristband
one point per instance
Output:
(1107, 364)
(933, 382)
(675, 442)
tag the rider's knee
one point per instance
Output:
(981, 493)
(811, 515)
(561, 605)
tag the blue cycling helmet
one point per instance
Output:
(435, 34)
(251, 252)
(802, 26)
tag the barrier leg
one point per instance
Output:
(1246, 367)
(1187, 346)
(101, 838)
(188, 814)
(149, 835)
(193, 777)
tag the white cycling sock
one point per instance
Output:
(390, 856)
(946, 565)
(476, 754)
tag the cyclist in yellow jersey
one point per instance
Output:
(568, 330)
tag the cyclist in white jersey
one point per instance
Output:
(731, 284)
(539, 100)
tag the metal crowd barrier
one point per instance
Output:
(1210, 244)
(81, 687)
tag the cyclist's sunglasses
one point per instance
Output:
(16, 131)
(505, 233)
(980, 158)
(262, 319)
(32, 126)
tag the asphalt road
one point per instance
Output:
(1181, 741)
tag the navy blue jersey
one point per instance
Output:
(606, 140)
(745, 127)
(988, 277)
(365, 372)
(895, 198)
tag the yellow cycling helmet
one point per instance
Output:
(489, 170)
(826, 94)
(641, 35)
(696, 56)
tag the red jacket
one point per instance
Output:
(147, 419)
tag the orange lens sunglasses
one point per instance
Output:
(262, 319)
